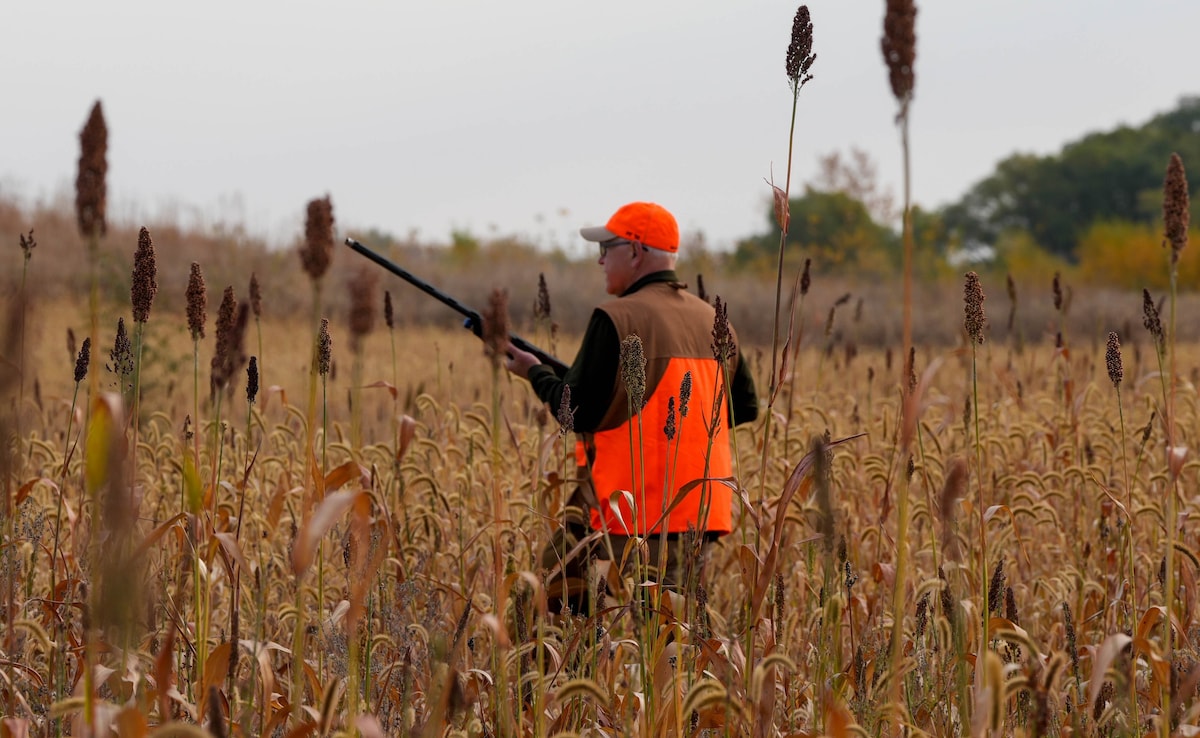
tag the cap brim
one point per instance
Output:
(597, 234)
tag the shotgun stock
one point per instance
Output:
(473, 321)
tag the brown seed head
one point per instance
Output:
(1175, 207)
(197, 302)
(1112, 359)
(252, 380)
(954, 489)
(255, 295)
(700, 291)
(363, 287)
(324, 348)
(633, 370)
(90, 182)
(81, 363)
(317, 252)
(899, 46)
(389, 317)
(237, 356)
(799, 51)
(1069, 627)
(1056, 288)
(685, 393)
(806, 278)
(495, 325)
(1150, 318)
(565, 415)
(973, 317)
(121, 354)
(911, 366)
(144, 286)
(722, 344)
(541, 306)
(225, 341)
(1010, 606)
(669, 427)
(28, 244)
(996, 588)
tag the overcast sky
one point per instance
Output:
(533, 117)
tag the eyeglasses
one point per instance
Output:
(606, 246)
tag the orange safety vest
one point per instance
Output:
(633, 490)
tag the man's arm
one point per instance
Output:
(744, 403)
(592, 376)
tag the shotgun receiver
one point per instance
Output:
(473, 320)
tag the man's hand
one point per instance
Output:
(519, 362)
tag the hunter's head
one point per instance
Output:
(639, 239)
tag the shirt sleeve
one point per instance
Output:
(744, 407)
(592, 376)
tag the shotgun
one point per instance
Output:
(473, 320)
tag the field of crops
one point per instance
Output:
(365, 556)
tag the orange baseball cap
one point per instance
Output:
(645, 222)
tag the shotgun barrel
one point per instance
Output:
(473, 321)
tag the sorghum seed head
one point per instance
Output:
(912, 369)
(144, 286)
(799, 52)
(1175, 207)
(1112, 359)
(255, 295)
(363, 288)
(122, 352)
(722, 344)
(899, 45)
(922, 615)
(669, 428)
(1010, 606)
(541, 306)
(90, 182)
(81, 363)
(973, 317)
(324, 348)
(996, 588)
(495, 325)
(389, 317)
(947, 597)
(685, 393)
(1150, 317)
(633, 370)
(226, 325)
(197, 302)
(565, 415)
(806, 277)
(317, 251)
(252, 380)
(1069, 627)
(28, 244)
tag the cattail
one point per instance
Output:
(1175, 207)
(700, 291)
(81, 363)
(122, 352)
(633, 370)
(317, 251)
(324, 348)
(541, 306)
(805, 278)
(1056, 288)
(685, 393)
(28, 244)
(255, 295)
(799, 51)
(722, 344)
(1112, 359)
(953, 489)
(226, 326)
(996, 587)
(565, 415)
(90, 183)
(252, 380)
(197, 302)
(144, 286)
(1150, 318)
(495, 325)
(389, 316)
(973, 317)
(362, 306)
(899, 46)
(669, 428)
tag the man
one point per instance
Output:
(633, 468)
